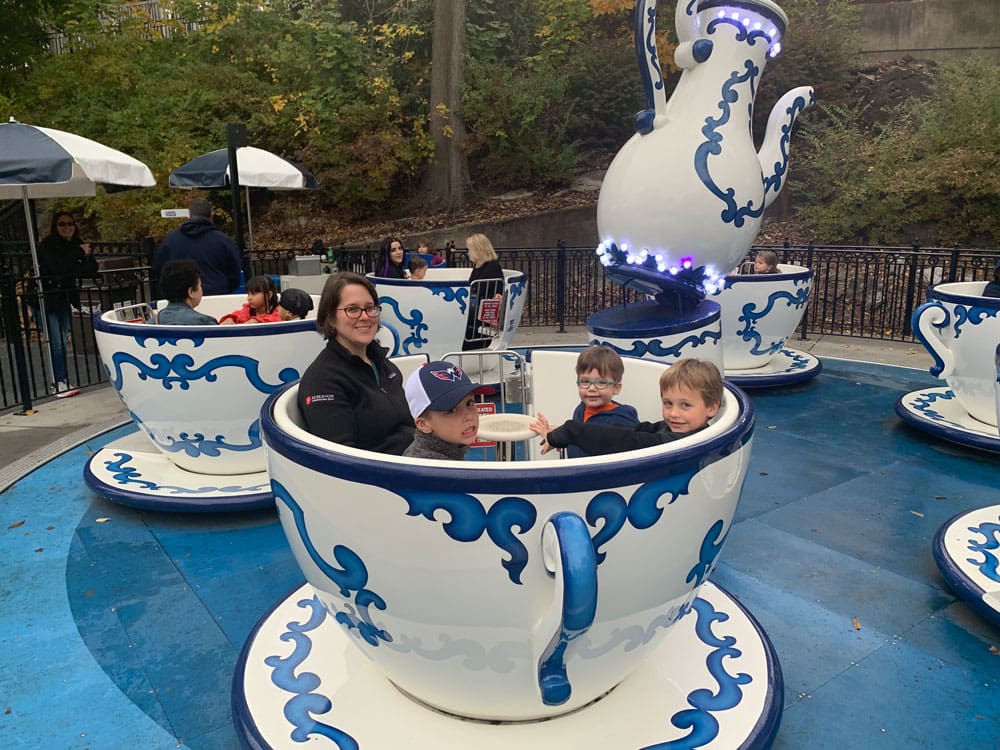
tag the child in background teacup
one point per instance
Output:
(262, 299)
(180, 283)
(993, 288)
(440, 397)
(294, 304)
(766, 261)
(691, 392)
(599, 371)
(417, 267)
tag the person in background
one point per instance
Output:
(993, 288)
(352, 393)
(180, 284)
(691, 392)
(442, 402)
(62, 259)
(766, 261)
(262, 299)
(389, 264)
(437, 256)
(417, 267)
(212, 249)
(599, 372)
(485, 282)
(294, 304)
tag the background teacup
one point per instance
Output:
(429, 316)
(507, 590)
(961, 329)
(760, 312)
(197, 391)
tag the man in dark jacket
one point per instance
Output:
(212, 249)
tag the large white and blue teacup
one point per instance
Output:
(760, 312)
(429, 316)
(507, 591)
(961, 329)
(197, 391)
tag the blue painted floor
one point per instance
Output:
(120, 628)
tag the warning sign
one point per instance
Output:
(485, 408)
(489, 312)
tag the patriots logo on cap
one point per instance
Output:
(452, 374)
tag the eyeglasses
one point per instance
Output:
(354, 312)
(598, 384)
(65, 224)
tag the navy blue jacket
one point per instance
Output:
(213, 250)
(622, 416)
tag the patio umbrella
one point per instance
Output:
(38, 162)
(257, 168)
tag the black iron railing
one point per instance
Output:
(868, 292)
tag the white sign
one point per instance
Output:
(175, 213)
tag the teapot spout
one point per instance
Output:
(773, 154)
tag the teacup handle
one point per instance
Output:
(996, 385)
(568, 555)
(927, 321)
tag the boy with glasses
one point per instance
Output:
(599, 371)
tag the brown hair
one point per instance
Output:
(604, 359)
(329, 301)
(480, 249)
(697, 375)
(770, 257)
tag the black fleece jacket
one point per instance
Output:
(599, 439)
(342, 400)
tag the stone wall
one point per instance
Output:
(930, 29)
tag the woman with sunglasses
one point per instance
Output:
(62, 260)
(351, 393)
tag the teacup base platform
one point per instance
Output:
(299, 680)
(787, 367)
(937, 411)
(132, 471)
(966, 554)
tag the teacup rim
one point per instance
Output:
(945, 292)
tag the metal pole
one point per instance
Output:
(14, 335)
(29, 220)
(236, 137)
(561, 286)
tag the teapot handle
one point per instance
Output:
(568, 555)
(927, 322)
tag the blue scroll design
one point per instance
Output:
(305, 702)
(798, 105)
(711, 546)
(451, 294)
(124, 475)
(750, 315)
(655, 347)
(699, 718)
(351, 578)
(641, 510)
(178, 370)
(469, 519)
(197, 444)
(973, 315)
(415, 321)
(989, 566)
(924, 401)
(799, 361)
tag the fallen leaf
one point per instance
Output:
(995, 651)
(763, 473)
(90, 592)
(40, 549)
(772, 427)
(15, 525)
(857, 623)
(940, 497)
(49, 528)
(103, 520)
(917, 513)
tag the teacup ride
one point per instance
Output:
(529, 604)
(960, 328)
(430, 316)
(760, 312)
(195, 393)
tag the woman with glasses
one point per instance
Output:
(62, 260)
(351, 393)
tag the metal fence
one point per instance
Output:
(868, 292)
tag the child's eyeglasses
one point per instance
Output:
(354, 312)
(598, 384)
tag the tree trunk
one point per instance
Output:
(448, 176)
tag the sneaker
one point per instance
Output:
(64, 390)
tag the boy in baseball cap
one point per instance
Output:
(440, 396)
(294, 304)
